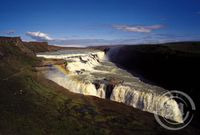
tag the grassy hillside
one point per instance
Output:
(32, 105)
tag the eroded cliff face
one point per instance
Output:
(89, 72)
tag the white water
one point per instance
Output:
(90, 73)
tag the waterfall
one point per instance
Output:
(91, 73)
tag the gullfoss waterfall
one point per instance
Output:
(89, 72)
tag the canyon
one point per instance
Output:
(89, 91)
(90, 72)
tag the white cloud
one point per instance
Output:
(138, 28)
(39, 36)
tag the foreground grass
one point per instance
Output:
(29, 105)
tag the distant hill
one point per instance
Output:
(190, 47)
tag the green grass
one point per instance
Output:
(27, 107)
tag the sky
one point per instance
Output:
(101, 22)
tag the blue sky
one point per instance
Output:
(93, 22)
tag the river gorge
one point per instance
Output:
(90, 72)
